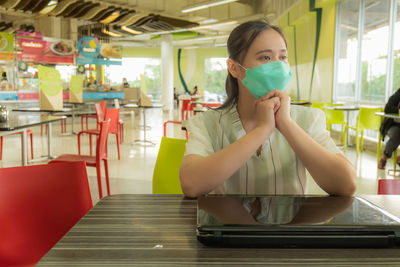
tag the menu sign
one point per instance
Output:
(6, 46)
(92, 52)
(50, 89)
(40, 49)
(76, 88)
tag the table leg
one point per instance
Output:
(144, 141)
(24, 159)
(73, 119)
(49, 141)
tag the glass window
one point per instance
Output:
(133, 68)
(396, 52)
(215, 71)
(347, 61)
(374, 51)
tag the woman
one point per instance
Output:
(392, 128)
(256, 143)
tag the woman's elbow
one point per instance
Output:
(188, 188)
(351, 186)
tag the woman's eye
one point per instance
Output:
(283, 57)
(266, 58)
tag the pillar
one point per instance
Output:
(167, 72)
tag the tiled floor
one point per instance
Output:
(133, 173)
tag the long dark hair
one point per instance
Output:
(238, 44)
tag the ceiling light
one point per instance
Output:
(205, 4)
(211, 37)
(110, 18)
(111, 33)
(214, 25)
(124, 28)
(209, 21)
(203, 38)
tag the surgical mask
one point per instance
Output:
(267, 77)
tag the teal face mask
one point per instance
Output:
(264, 78)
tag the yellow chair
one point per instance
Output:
(337, 117)
(333, 117)
(367, 120)
(166, 171)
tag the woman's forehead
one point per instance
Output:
(269, 40)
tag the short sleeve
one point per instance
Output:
(312, 120)
(317, 130)
(199, 142)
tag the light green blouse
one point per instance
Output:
(277, 170)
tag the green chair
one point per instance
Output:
(166, 171)
(367, 120)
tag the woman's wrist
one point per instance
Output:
(263, 133)
(285, 125)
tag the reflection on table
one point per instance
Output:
(19, 122)
(160, 230)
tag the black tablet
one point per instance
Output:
(294, 221)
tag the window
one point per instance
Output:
(396, 52)
(347, 58)
(374, 51)
(133, 69)
(215, 72)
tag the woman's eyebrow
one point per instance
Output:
(269, 51)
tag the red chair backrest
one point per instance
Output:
(389, 187)
(101, 147)
(185, 103)
(113, 115)
(38, 206)
(103, 105)
(99, 113)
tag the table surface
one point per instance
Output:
(388, 115)
(37, 109)
(159, 230)
(344, 107)
(139, 106)
(18, 121)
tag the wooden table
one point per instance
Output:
(159, 230)
(19, 122)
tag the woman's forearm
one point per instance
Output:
(332, 172)
(200, 175)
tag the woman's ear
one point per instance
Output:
(233, 68)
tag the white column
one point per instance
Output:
(167, 72)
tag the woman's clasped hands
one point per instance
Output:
(273, 110)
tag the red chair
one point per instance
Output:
(101, 155)
(185, 103)
(103, 105)
(388, 187)
(28, 132)
(39, 205)
(99, 118)
(63, 126)
(113, 115)
(189, 109)
(174, 122)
